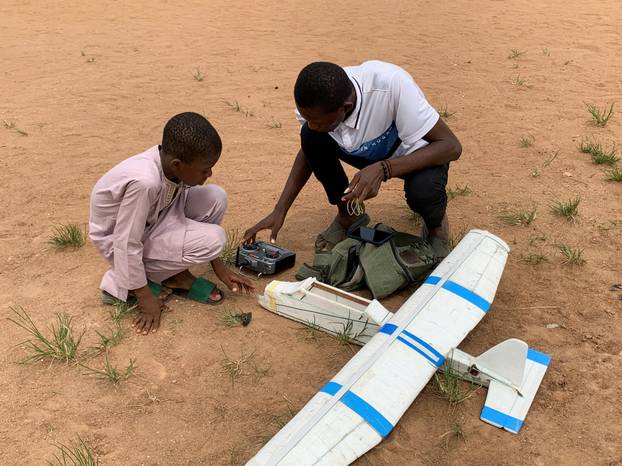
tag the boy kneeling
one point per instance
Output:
(152, 218)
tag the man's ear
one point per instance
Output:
(348, 106)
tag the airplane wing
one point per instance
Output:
(362, 403)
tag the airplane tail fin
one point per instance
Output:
(506, 406)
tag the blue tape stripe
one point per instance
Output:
(426, 345)
(361, 407)
(369, 414)
(507, 422)
(467, 294)
(437, 362)
(461, 291)
(331, 388)
(537, 356)
(388, 329)
(432, 280)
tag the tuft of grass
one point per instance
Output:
(346, 336)
(311, 331)
(445, 113)
(535, 173)
(526, 141)
(453, 193)
(590, 147)
(567, 209)
(274, 124)
(68, 236)
(514, 54)
(76, 454)
(546, 51)
(230, 251)
(447, 384)
(534, 239)
(109, 372)
(534, 259)
(615, 175)
(234, 318)
(260, 371)
(518, 81)
(413, 216)
(108, 341)
(550, 158)
(606, 158)
(455, 237)
(235, 367)
(198, 75)
(236, 107)
(10, 125)
(61, 346)
(120, 309)
(599, 155)
(456, 432)
(570, 255)
(600, 117)
(519, 217)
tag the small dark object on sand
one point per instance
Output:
(245, 318)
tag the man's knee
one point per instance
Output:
(425, 190)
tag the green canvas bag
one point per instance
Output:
(353, 264)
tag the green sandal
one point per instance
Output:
(200, 292)
(131, 300)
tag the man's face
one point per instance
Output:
(196, 172)
(322, 121)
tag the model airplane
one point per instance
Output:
(401, 351)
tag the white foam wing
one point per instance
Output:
(360, 406)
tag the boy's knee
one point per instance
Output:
(219, 241)
(204, 243)
(218, 196)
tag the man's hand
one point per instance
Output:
(365, 184)
(234, 281)
(274, 222)
(149, 310)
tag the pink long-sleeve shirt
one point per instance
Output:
(136, 213)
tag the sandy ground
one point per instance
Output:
(93, 83)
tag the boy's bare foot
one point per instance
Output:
(184, 280)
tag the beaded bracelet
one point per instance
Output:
(386, 170)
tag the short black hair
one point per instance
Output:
(189, 135)
(322, 84)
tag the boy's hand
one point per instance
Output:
(274, 222)
(234, 281)
(149, 311)
(365, 184)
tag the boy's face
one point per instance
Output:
(322, 121)
(196, 172)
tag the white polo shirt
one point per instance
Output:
(389, 105)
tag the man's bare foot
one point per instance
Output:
(439, 238)
(337, 230)
(184, 280)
